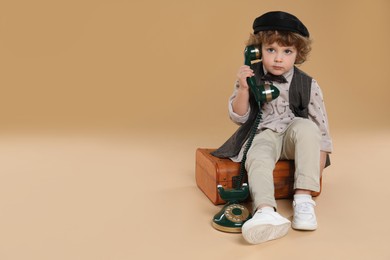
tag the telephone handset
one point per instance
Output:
(233, 215)
(262, 93)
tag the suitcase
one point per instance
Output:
(211, 171)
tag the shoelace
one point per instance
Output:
(305, 207)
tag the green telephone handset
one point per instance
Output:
(262, 93)
(233, 215)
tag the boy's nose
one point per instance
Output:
(278, 58)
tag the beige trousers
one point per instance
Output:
(299, 142)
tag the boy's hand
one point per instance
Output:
(243, 73)
(241, 101)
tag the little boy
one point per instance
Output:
(294, 126)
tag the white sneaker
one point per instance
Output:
(304, 215)
(265, 225)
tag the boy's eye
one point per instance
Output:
(288, 51)
(270, 50)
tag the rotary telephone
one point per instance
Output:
(233, 215)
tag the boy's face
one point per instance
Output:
(278, 59)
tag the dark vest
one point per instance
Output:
(299, 98)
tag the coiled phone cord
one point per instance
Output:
(238, 181)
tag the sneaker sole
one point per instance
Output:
(304, 227)
(257, 234)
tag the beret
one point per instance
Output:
(279, 21)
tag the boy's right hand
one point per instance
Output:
(243, 73)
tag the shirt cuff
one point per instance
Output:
(235, 117)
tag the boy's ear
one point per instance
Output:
(260, 54)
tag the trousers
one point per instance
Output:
(300, 142)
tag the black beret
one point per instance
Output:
(279, 21)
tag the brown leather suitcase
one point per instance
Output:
(211, 171)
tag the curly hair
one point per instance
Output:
(283, 38)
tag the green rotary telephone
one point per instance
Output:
(233, 215)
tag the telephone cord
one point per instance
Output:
(239, 180)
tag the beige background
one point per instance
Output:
(103, 104)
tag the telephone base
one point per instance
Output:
(226, 229)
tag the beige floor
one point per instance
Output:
(102, 196)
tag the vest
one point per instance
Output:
(299, 98)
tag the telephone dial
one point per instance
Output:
(233, 214)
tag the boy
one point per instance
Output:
(294, 126)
